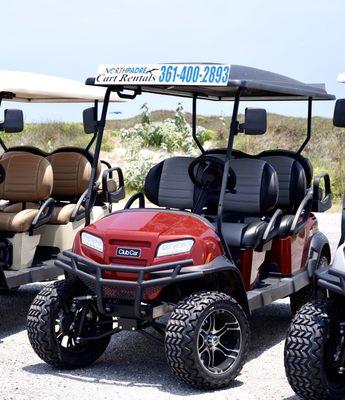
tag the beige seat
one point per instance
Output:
(28, 181)
(72, 172)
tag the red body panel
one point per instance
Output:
(290, 254)
(244, 261)
(146, 230)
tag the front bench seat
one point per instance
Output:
(168, 185)
(28, 180)
(72, 172)
(295, 173)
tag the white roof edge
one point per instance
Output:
(341, 78)
(41, 88)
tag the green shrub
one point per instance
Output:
(49, 136)
(173, 134)
(149, 142)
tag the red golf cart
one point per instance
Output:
(230, 233)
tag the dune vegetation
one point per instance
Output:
(139, 142)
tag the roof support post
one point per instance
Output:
(196, 140)
(233, 131)
(88, 147)
(309, 122)
(92, 188)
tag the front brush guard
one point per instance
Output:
(172, 272)
(159, 275)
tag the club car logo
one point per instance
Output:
(128, 252)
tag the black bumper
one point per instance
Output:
(142, 279)
(331, 279)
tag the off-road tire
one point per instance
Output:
(41, 328)
(305, 351)
(306, 294)
(181, 339)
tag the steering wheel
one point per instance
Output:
(211, 174)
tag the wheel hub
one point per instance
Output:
(219, 341)
(65, 323)
(212, 340)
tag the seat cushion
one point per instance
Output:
(62, 214)
(243, 235)
(17, 221)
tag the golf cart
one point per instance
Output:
(229, 233)
(315, 344)
(43, 195)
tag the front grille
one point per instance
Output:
(122, 293)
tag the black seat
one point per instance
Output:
(303, 161)
(169, 185)
(294, 179)
(247, 235)
(254, 196)
(295, 174)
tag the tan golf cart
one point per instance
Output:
(44, 196)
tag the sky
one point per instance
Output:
(303, 39)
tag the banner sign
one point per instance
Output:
(163, 74)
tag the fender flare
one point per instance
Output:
(222, 265)
(319, 244)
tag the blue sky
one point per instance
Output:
(303, 39)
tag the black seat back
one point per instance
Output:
(256, 191)
(295, 174)
(303, 161)
(292, 178)
(168, 184)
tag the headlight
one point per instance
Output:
(175, 247)
(92, 241)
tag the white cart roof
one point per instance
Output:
(40, 88)
(341, 78)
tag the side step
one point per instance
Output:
(42, 272)
(273, 289)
